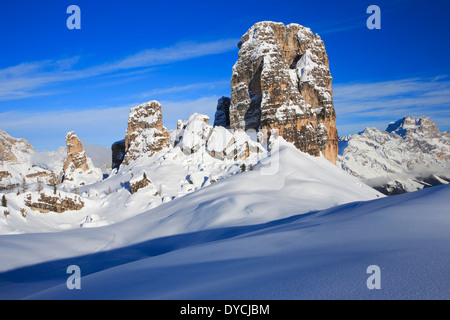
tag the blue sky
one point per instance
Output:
(54, 80)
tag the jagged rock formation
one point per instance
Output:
(145, 133)
(75, 153)
(78, 168)
(222, 116)
(282, 81)
(411, 154)
(118, 153)
(195, 134)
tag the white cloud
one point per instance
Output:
(46, 130)
(178, 52)
(23, 80)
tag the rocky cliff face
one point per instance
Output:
(145, 133)
(282, 81)
(411, 154)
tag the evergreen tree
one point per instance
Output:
(4, 201)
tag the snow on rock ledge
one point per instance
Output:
(145, 133)
(196, 134)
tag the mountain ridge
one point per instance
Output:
(409, 155)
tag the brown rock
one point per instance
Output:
(47, 203)
(137, 184)
(282, 81)
(146, 133)
(75, 153)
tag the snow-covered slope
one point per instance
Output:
(410, 155)
(202, 155)
(302, 182)
(178, 252)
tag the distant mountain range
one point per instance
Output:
(411, 154)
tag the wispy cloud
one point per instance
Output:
(189, 87)
(178, 52)
(385, 101)
(33, 78)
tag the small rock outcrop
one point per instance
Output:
(139, 182)
(47, 203)
(282, 81)
(145, 133)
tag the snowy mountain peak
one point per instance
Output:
(408, 126)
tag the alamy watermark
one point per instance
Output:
(74, 20)
(74, 280)
(374, 280)
(374, 21)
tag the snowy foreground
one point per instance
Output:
(308, 232)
